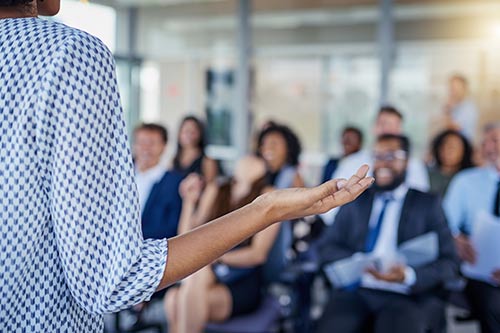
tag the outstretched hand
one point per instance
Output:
(295, 203)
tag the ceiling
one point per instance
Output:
(268, 5)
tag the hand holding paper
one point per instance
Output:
(496, 276)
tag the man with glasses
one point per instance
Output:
(388, 121)
(394, 297)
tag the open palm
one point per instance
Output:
(294, 203)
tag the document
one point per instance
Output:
(416, 252)
(348, 271)
(421, 250)
(485, 238)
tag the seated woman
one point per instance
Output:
(190, 156)
(451, 153)
(232, 286)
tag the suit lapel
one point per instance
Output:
(403, 225)
(366, 206)
(152, 196)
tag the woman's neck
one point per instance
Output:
(449, 169)
(18, 12)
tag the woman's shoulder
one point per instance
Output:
(58, 36)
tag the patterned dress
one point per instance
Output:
(71, 246)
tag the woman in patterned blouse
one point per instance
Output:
(71, 246)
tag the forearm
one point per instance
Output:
(244, 257)
(185, 220)
(191, 251)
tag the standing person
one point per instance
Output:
(451, 153)
(472, 192)
(158, 188)
(190, 156)
(72, 247)
(460, 110)
(352, 141)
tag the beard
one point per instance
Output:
(397, 179)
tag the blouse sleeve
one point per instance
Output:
(89, 179)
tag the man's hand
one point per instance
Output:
(465, 249)
(496, 276)
(295, 203)
(396, 274)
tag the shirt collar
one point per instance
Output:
(491, 172)
(397, 194)
(153, 172)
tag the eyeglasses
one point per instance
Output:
(390, 156)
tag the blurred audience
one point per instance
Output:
(389, 121)
(158, 188)
(471, 193)
(190, 156)
(231, 286)
(451, 153)
(352, 141)
(460, 110)
(394, 297)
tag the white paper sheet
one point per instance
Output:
(485, 238)
(421, 250)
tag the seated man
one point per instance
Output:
(399, 298)
(158, 188)
(471, 193)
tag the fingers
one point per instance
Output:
(338, 192)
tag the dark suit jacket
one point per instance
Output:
(160, 217)
(421, 213)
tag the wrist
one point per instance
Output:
(265, 207)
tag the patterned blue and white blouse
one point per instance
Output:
(71, 246)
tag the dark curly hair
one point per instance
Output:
(7, 3)
(292, 142)
(438, 141)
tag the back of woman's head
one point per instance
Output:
(440, 140)
(7, 3)
(294, 147)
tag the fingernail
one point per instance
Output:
(341, 184)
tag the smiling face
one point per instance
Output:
(390, 163)
(387, 123)
(451, 151)
(491, 146)
(274, 150)
(148, 148)
(351, 142)
(189, 134)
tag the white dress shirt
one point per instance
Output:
(387, 241)
(146, 180)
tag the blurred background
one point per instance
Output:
(316, 65)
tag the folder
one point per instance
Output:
(421, 250)
(416, 252)
(485, 238)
